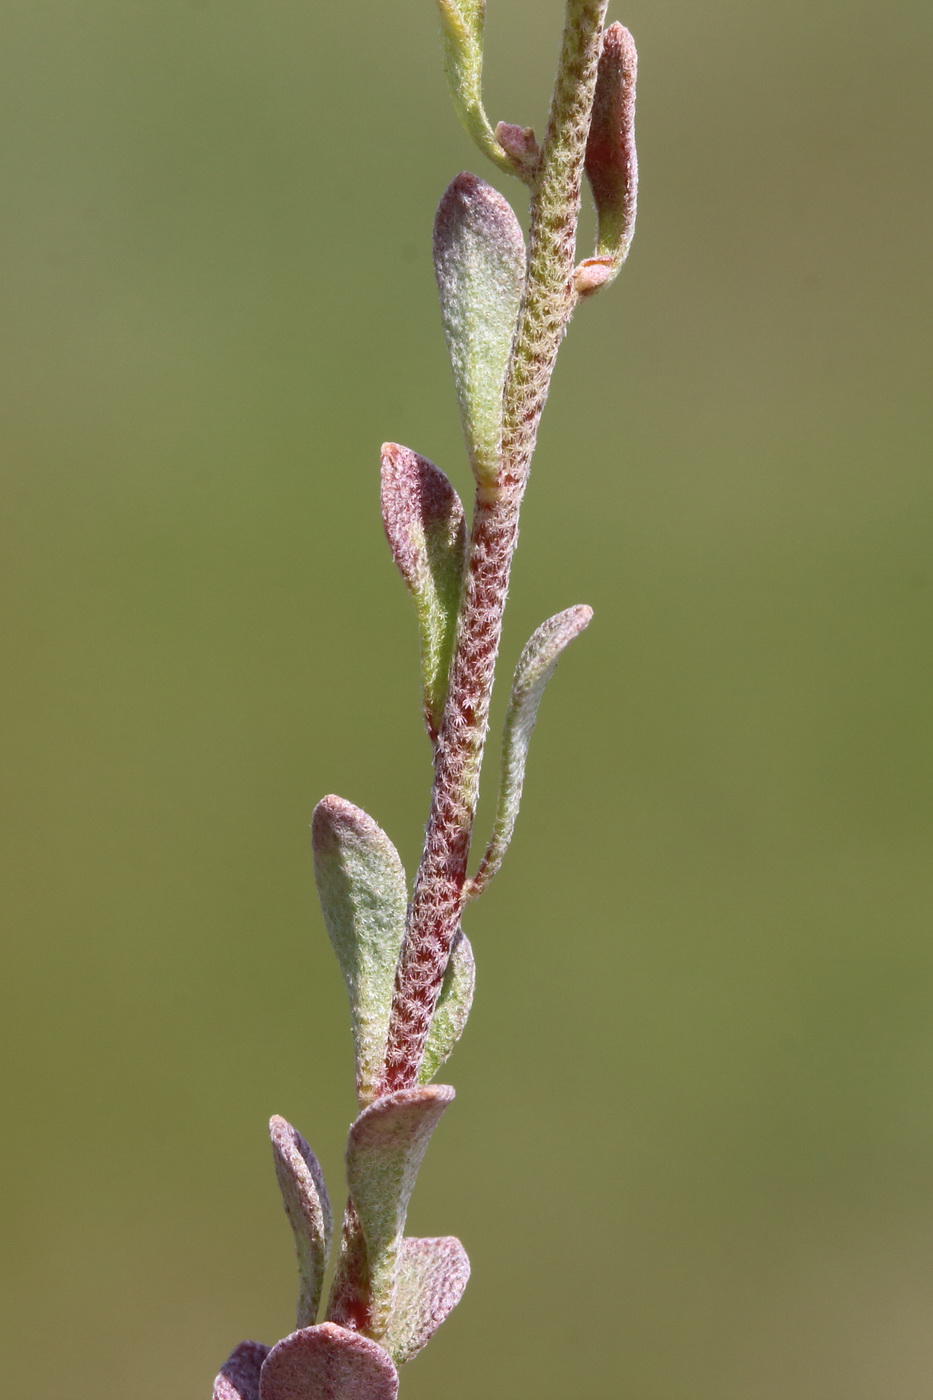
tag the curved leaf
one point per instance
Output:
(535, 668)
(386, 1146)
(328, 1363)
(431, 1279)
(307, 1206)
(463, 22)
(426, 530)
(611, 160)
(452, 1010)
(479, 260)
(361, 884)
(238, 1378)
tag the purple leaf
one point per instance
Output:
(431, 1279)
(386, 1146)
(328, 1362)
(238, 1378)
(425, 527)
(611, 160)
(307, 1206)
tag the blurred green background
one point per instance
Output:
(692, 1154)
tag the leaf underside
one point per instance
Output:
(453, 1008)
(535, 668)
(308, 1208)
(426, 530)
(611, 160)
(238, 1378)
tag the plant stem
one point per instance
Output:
(547, 305)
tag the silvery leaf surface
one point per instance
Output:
(361, 884)
(452, 1010)
(426, 530)
(238, 1378)
(385, 1149)
(535, 668)
(328, 1362)
(431, 1278)
(308, 1208)
(479, 261)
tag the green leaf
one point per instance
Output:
(431, 1278)
(308, 1208)
(479, 260)
(385, 1149)
(453, 1008)
(426, 530)
(462, 24)
(361, 884)
(611, 160)
(535, 668)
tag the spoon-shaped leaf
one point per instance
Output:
(535, 668)
(479, 259)
(424, 523)
(452, 1010)
(385, 1149)
(238, 1378)
(328, 1363)
(611, 160)
(307, 1206)
(431, 1278)
(361, 884)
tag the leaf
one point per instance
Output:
(453, 1008)
(238, 1378)
(385, 1149)
(426, 530)
(535, 668)
(462, 23)
(432, 1277)
(479, 260)
(308, 1208)
(611, 160)
(361, 884)
(328, 1362)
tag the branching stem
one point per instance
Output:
(548, 302)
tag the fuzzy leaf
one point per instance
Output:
(426, 530)
(363, 895)
(611, 160)
(307, 1206)
(432, 1277)
(535, 668)
(453, 1008)
(385, 1149)
(462, 23)
(479, 260)
(238, 1378)
(328, 1363)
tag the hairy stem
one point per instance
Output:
(547, 305)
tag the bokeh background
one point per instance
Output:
(692, 1153)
